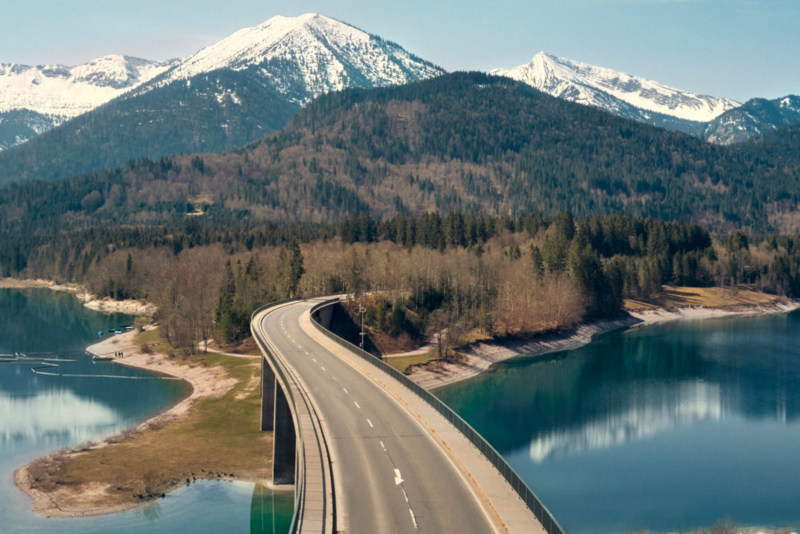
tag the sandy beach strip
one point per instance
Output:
(93, 302)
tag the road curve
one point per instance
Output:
(392, 471)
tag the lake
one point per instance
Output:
(40, 414)
(658, 428)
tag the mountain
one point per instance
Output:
(622, 94)
(753, 119)
(463, 141)
(36, 99)
(306, 56)
(229, 94)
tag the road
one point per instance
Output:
(390, 473)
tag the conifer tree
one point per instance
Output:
(294, 268)
(537, 264)
(225, 321)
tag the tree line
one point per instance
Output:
(433, 273)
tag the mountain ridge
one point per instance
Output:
(613, 90)
(465, 141)
(753, 119)
(35, 99)
(305, 57)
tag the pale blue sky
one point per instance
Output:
(732, 48)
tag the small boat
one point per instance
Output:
(102, 358)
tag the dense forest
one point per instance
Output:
(463, 142)
(426, 275)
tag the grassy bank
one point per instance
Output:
(217, 436)
(672, 297)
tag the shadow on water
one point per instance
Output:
(270, 512)
(152, 512)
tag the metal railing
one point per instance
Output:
(525, 493)
(299, 485)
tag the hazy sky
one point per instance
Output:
(733, 48)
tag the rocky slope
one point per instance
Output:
(753, 119)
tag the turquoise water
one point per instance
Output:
(40, 414)
(660, 428)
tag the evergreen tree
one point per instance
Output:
(537, 263)
(564, 223)
(294, 268)
(554, 251)
(225, 317)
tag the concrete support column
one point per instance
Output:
(268, 383)
(325, 315)
(284, 446)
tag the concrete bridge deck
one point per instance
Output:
(374, 456)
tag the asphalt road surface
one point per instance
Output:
(394, 475)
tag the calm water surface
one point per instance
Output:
(40, 414)
(659, 428)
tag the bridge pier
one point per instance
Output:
(325, 315)
(284, 443)
(268, 384)
(277, 416)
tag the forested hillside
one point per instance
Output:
(211, 112)
(433, 273)
(468, 142)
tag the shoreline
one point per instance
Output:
(91, 301)
(204, 381)
(481, 356)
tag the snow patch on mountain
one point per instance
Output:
(63, 92)
(306, 56)
(614, 91)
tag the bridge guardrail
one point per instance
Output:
(525, 493)
(299, 485)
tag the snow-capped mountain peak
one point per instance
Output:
(64, 92)
(308, 55)
(614, 91)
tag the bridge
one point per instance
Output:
(368, 450)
